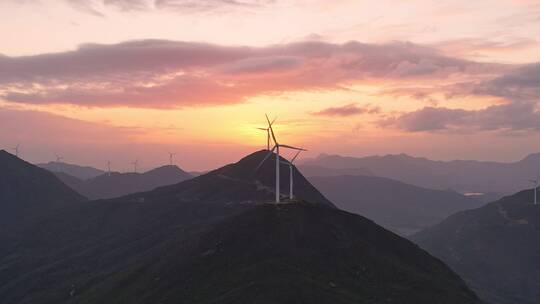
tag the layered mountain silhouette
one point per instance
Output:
(395, 205)
(217, 238)
(310, 171)
(492, 179)
(118, 184)
(495, 248)
(80, 172)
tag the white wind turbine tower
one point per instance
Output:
(290, 164)
(135, 163)
(109, 167)
(171, 155)
(276, 148)
(16, 149)
(535, 183)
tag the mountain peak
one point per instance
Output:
(531, 158)
(240, 182)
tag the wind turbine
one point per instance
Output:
(267, 137)
(58, 157)
(267, 134)
(535, 182)
(109, 167)
(171, 158)
(290, 164)
(16, 149)
(135, 163)
(276, 148)
(58, 165)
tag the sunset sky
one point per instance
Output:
(98, 80)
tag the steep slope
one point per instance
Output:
(495, 248)
(394, 205)
(313, 254)
(24, 186)
(217, 241)
(119, 184)
(69, 180)
(26, 191)
(80, 172)
(464, 176)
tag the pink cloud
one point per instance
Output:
(347, 110)
(161, 74)
(514, 116)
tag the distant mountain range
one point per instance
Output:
(492, 179)
(496, 248)
(397, 206)
(80, 172)
(119, 184)
(309, 171)
(217, 239)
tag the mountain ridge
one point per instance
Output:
(80, 172)
(466, 176)
(395, 205)
(494, 248)
(117, 184)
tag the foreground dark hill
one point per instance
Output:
(394, 205)
(80, 172)
(119, 184)
(27, 193)
(466, 176)
(496, 248)
(26, 190)
(218, 242)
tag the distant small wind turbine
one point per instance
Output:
(290, 164)
(135, 164)
(58, 165)
(58, 157)
(16, 149)
(535, 182)
(276, 148)
(171, 155)
(109, 167)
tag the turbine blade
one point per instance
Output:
(271, 129)
(297, 153)
(291, 147)
(264, 129)
(265, 158)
